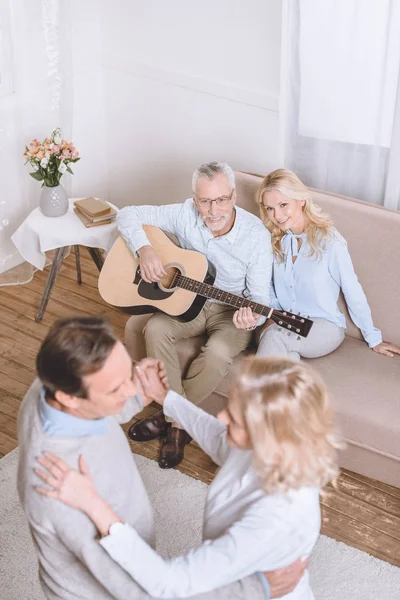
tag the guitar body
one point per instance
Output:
(120, 283)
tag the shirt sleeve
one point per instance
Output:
(255, 538)
(259, 271)
(206, 430)
(131, 218)
(342, 270)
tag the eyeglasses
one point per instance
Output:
(222, 201)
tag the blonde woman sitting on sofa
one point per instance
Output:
(311, 265)
(276, 445)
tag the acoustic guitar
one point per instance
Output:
(182, 292)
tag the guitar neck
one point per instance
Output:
(208, 291)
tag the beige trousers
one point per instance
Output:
(224, 342)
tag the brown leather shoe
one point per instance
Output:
(171, 453)
(149, 429)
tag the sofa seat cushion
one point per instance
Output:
(364, 388)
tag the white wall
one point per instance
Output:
(185, 82)
(89, 121)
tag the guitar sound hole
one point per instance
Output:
(168, 281)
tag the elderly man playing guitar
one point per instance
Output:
(239, 246)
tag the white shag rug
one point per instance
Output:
(338, 572)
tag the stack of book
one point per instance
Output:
(94, 212)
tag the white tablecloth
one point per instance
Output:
(38, 234)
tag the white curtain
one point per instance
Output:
(35, 53)
(341, 96)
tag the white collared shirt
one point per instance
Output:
(245, 530)
(242, 257)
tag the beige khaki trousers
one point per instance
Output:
(207, 370)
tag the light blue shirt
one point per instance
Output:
(311, 285)
(242, 257)
(56, 422)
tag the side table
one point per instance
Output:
(39, 234)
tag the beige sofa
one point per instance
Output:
(365, 386)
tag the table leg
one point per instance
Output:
(54, 269)
(96, 256)
(78, 264)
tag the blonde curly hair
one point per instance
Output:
(319, 226)
(285, 409)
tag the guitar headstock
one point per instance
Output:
(294, 323)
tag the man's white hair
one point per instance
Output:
(210, 170)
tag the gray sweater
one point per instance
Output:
(72, 564)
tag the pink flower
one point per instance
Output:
(66, 153)
(55, 149)
(40, 155)
(75, 154)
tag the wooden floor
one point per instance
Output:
(361, 512)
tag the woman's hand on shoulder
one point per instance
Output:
(244, 318)
(386, 348)
(74, 488)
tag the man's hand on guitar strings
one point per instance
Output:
(151, 267)
(244, 318)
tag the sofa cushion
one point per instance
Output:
(364, 388)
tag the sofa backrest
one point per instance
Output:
(373, 237)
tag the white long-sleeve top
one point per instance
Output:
(242, 257)
(245, 530)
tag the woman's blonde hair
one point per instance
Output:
(319, 226)
(286, 411)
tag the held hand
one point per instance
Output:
(151, 267)
(386, 348)
(74, 488)
(283, 581)
(153, 380)
(244, 318)
(153, 363)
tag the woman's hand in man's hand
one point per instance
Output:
(153, 379)
(386, 348)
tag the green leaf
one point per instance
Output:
(37, 175)
(70, 170)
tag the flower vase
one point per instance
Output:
(54, 201)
